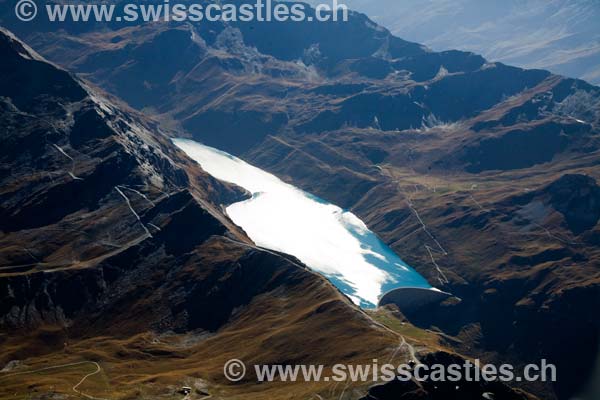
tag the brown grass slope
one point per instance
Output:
(477, 173)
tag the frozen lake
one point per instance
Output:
(329, 240)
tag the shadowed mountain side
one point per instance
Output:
(195, 311)
(429, 389)
(110, 235)
(230, 84)
(560, 35)
(432, 150)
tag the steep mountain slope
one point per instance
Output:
(115, 254)
(481, 175)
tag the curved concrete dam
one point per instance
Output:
(329, 240)
(411, 299)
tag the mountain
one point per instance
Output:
(115, 253)
(559, 35)
(482, 176)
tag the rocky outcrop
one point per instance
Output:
(577, 198)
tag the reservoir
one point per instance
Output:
(328, 239)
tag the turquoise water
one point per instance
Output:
(329, 240)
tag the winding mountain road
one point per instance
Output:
(74, 388)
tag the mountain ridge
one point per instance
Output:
(556, 35)
(140, 266)
(431, 150)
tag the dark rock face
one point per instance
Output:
(521, 148)
(147, 288)
(89, 189)
(290, 42)
(361, 110)
(533, 329)
(445, 390)
(157, 63)
(577, 197)
(236, 130)
(32, 84)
